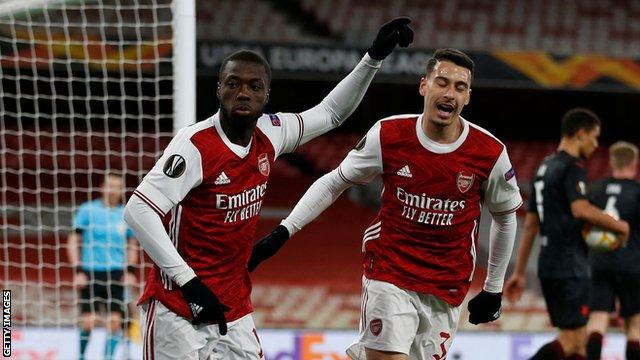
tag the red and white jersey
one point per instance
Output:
(425, 236)
(209, 193)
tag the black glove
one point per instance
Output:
(268, 246)
(204, 304)
(395, 32)
(484, 307)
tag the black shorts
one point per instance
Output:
(105, 289)
(567, 301)
(607, 286)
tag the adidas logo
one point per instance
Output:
(405, 172)
(195, 309)
(222, 179)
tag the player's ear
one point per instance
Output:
(422, 89)
(466, 102)
(266, 99)
(218, 90)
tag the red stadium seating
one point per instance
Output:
(245, 20)
(607, 26)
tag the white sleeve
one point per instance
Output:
(364, 162)
(361, 165)
(336, 107)
(502, 237)
(320, 195)
(177, 172)
(501, 192)
(148, 228)
(284, 130)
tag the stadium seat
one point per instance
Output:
(608, 26)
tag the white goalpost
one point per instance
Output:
(87, 88)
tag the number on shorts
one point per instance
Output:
(445, 336)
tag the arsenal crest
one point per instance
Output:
(375, 326)
(263, 164)
(464, 182)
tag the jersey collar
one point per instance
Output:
(241, 151)
(437, 147)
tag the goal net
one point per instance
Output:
(86, 90)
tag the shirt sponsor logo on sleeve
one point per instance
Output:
(275, 120)
(509, 174)
(174, 166)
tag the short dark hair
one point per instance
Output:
(576, 119)
(454, 55)
(249, 56)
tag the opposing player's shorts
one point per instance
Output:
(567, 301)
(393, 319)
(105, 289)
(169, 336)
(606, 286)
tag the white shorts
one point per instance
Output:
(169, 336)
(393, 319)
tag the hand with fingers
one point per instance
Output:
(514, 287)
(392, 33)
(204, 304)
(622, 237)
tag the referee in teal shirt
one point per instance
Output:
(103, 252)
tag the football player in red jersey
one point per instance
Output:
(208, 187)
(438, 169)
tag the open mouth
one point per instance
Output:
(445, 110)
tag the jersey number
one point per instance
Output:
(611, 207)
(539, 185)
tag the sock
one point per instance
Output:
(112, 343)
(84, 340)
(550, 351)
(594, 346)
(633, 350)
